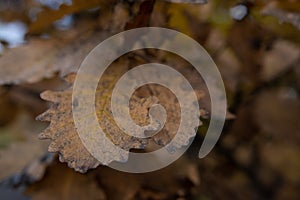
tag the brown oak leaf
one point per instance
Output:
(66, 140)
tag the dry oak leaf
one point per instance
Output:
(66, 140)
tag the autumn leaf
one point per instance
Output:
(42, 58)
(66, 141)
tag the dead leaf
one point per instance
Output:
(62, 127)
(42, 58)
(65, 139)
(28, 63)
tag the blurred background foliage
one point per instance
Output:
(254, 43)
